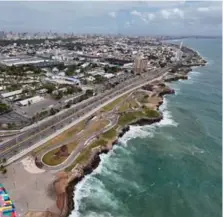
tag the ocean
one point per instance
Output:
(171, 168)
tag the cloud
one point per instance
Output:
(203, 9)
(144, 16)
(112, 14)
(136, 13)
(178, 12)
(151, 16)
(171, 13)
(165, 14)
(159, 17)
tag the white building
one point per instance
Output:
(140, 64)
(109, 75)
(90, 78)
(31, 100)
(84, 65)
(13, 93)
(42, 91)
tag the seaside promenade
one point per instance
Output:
(145, 80)
(15, 150)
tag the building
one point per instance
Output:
(31, 100)
(109, 75)
(13, 93)
(140, 64)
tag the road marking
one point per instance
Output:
(97, 108)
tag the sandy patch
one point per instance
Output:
(30, 166)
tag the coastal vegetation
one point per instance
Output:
(3, 168)
(114, 103)
(77, 136)
(61, 137)
(103, 128)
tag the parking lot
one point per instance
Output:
(31, 110)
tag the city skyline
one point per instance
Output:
(105, 17)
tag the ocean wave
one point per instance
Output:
(92, 190)
(149, 130)
(96, 214)
(134, 132)
(174, 85)
(193, 75)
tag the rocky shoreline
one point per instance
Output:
(95, 157)
(80, 171)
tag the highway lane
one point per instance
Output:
(54, 118)
(88, 108)
(36, 134)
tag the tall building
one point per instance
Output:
(140, 64)
(179, 52)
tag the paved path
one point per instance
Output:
(113, 119)
(137, 85)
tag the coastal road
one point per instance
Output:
(112, 122)
(29, 138)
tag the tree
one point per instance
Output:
(59, 95)
(52, 111)
(4, 160)
(11, 125)
(4, 171)
(106, 68)
(60, 67)
(99, 79)
(4, 108)
(89, 92)
(50, 87)
(69, 73)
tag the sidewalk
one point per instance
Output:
(30, 149)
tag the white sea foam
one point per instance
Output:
(94, 188)
(135, 132)
(149, 130)
(193, 74)
(167, 116)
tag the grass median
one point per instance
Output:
(61, 137)
(85, 154)
(53, 157)
(113, 104)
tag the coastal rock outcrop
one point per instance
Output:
(157, 89)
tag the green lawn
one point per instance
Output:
(127, 118)
(150, 112)
(50, 159)
(85, 154)
(61, 137)
(111, 105)
(110, 134)
(124, 119)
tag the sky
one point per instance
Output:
(113, 17)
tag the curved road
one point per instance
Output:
(80, 147)
(28, 140)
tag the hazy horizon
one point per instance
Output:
(105, 17)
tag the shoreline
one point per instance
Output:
(95, 157)
(65, 179)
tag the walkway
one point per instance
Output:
(29, 149)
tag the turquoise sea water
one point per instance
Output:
(169, 169)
